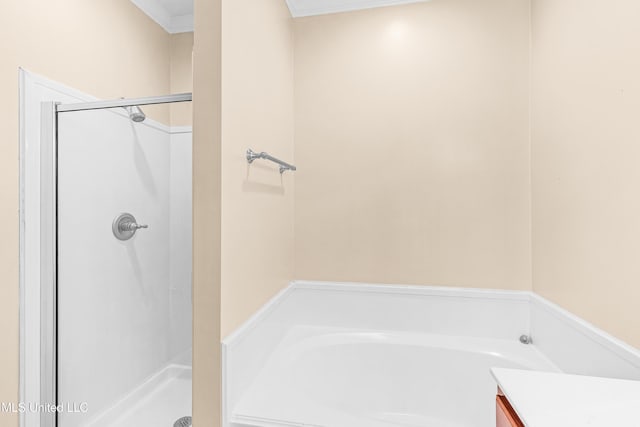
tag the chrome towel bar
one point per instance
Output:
(284, 166)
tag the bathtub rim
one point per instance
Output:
(390, 289)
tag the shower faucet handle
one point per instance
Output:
(124, 227)
(132, 226)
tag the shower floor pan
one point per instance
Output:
(160, 401)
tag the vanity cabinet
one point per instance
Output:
(505, 414)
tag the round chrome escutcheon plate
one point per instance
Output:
(118, 228)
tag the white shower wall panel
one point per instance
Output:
(113, 296)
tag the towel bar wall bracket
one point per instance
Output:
(284, 166)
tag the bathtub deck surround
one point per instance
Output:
(547, 399)
(407, 355)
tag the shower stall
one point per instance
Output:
(115, 266)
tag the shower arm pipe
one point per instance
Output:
(284, 166)
(98, 105)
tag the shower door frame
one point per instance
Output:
(49, 235)
(48, 260)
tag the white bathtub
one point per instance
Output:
(346, 355)
(338, 377)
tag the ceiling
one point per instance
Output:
(176, 16)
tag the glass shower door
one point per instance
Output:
(123, 294)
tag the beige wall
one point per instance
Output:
(257, 113)
(206, 212)
(412, 145)
(586, 160)
(108, 49)
(181, 75)
(411, 138)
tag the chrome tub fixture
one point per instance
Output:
(525, 339)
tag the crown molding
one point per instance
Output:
(300, 8)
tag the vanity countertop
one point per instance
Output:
(546, 399)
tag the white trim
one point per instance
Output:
(323, 7)
(48, 263)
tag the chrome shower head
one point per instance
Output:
(136, 114)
